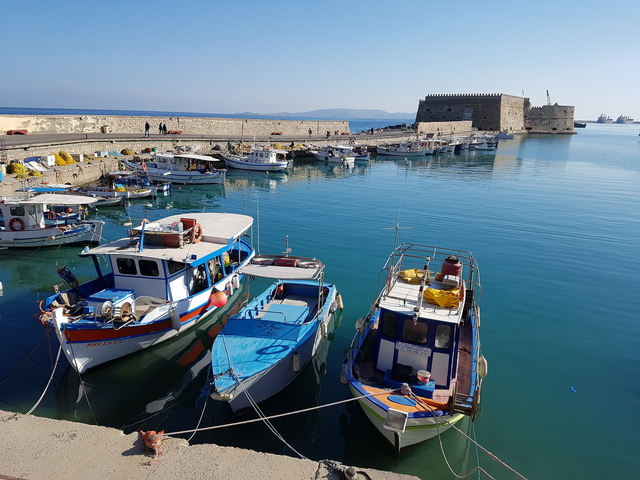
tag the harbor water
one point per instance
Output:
(554, 223)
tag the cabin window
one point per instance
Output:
(174, 266)
(414, 332)
(388, 320)
(148, 268)
(17, 211)
(126, 266)
(443, 336)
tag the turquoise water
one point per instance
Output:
(554, 222)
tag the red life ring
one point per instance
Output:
(52, 215)
(196, 233)
(144, 166)
(13, 222)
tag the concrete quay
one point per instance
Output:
(42, 449)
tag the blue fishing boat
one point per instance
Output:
(415, 365)
(266, 345)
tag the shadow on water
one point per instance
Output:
(126, 392)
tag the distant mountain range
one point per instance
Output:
(334, 114)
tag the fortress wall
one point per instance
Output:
(54, 124)
(549, 119)
(496, 112)
(444, 128)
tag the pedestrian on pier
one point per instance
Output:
(160, 129)
(146, 129)
(310, 132)
(164, 129)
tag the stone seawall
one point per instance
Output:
(59, 124)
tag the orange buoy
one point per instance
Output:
(219, 299)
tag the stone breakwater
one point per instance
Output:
(247, 127)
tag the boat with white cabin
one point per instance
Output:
(264, 159)
(180, 168)
(33, 221)
(162, 279)
(401, 149)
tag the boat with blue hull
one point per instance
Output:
(164, 278)
(415, 365)
(265, 346)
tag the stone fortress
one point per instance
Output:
(494, 112)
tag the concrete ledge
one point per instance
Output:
(37, 448)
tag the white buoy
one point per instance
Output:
(1, 290)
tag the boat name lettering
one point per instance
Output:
(408, 347)
(102, 344)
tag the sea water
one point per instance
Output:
(554, 222)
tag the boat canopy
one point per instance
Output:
(284, 268)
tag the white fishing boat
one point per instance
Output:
(162, 279)
(415, 365)
(403, 149)
(258, 159)
(33, 222)
(183, 168)
(341, 154)
(504, 135)
(265, 346)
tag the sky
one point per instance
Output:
(211, 56)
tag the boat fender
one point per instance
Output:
(323, 329)
(343, 373)
(16, 224)
(175, 319)
(221, 397)
(482, 366)
(339, 302)
(360, 324)
(296, 361)
(235, 281)
(229, 289)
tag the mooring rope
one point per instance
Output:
(48, 383)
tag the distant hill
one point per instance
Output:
(335, 114)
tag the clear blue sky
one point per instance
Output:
(274, 56)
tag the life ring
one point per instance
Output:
(144, 166)
(196, 233)
(51, 215)
(19, 222)
(326, 158)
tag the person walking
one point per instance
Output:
(146, 129)
(160, 129)
(164, 129)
